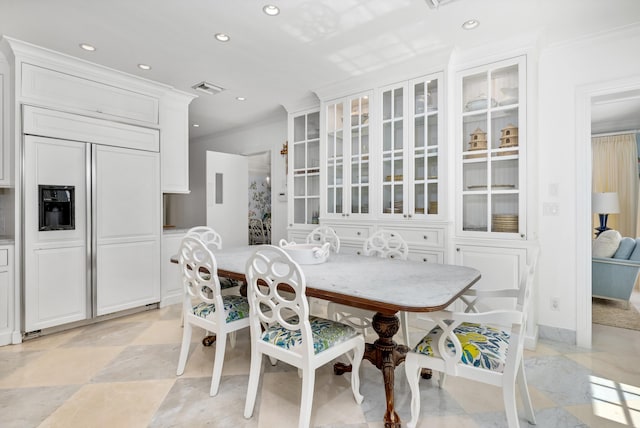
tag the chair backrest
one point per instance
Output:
(199, 272)
(276, 292)
(256, 231)
(386, 244)
(322, 234)
(210, 237)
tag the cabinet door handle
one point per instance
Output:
(405, 216)
(425, 260)
(358, 233)
(409, 216)
(426, 238)
(522, 235)
(458, 249)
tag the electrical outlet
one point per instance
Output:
(555, 304)
(550, 208)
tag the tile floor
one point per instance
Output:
(121, 373)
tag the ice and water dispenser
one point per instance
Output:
(57, 207)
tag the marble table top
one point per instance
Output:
(373, 283)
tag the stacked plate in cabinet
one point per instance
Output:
(505, 223)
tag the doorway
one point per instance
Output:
(587, 120)
(259, 207)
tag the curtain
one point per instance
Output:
(615, 169)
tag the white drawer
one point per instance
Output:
(423, 237)
(4, 257)
(427, 257)
(352, 233)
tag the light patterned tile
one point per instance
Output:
(560, 379)
(141, 362)
(111, 333)
(121, 404)
(188, 404)
(28, 407)
(61, 366)
(160, 332)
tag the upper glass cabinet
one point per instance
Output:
(411, 123)
(305, 152)
(347, 129)
(491, 143)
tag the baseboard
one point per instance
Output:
(557, 334)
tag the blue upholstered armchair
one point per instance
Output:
(614, 277)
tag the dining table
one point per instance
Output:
(381, 285)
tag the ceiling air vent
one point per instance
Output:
(208, 88)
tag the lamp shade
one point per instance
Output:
(605, 203)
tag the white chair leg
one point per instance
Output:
(404, 322)
(412, 371)
(221, 344)
(358, 352)
(184, 349)
(331, 311)
(254, 379)
(308, 382)
(524, 394)
(232, 339)
(509, 396)
(273, 360)
(442, 378)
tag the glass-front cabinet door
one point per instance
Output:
(411, 125)
(492, 146)
(347, 124)
(305, 168)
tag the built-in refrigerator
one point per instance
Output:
(92, 224)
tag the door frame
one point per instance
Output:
(584, 99)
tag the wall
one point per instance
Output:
(190, 210)
(565, 71)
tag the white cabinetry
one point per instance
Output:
(411, 130)
(71, 92)
(346, 156)
(174, 142)
(491, 147)
(171, 281)
(304, 174)
(6, 174)
(7, 296)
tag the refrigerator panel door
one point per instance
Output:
(127, 228)
(56, 261)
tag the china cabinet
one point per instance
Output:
(411, 129)
(491, 142)
(347, 157)
(304, 174)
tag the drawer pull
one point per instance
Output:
(425, 259)
(425, 237)
(358, 233)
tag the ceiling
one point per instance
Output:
(282, 60)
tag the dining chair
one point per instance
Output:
(213, 241)
(322, 234)
(486, 347)
(204, 305)
(282, 328)
(256, 232)
(386, 244)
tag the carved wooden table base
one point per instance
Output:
(385, 354)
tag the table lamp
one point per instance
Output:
(604, 204)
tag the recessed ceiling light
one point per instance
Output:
(271, 10)
(144, 67)
(87, 47)
(240, 98)
(470, 24)
(195, 125)
(221, 37)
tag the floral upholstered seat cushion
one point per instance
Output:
(326, 333)
(236, 308)
(482, 346)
